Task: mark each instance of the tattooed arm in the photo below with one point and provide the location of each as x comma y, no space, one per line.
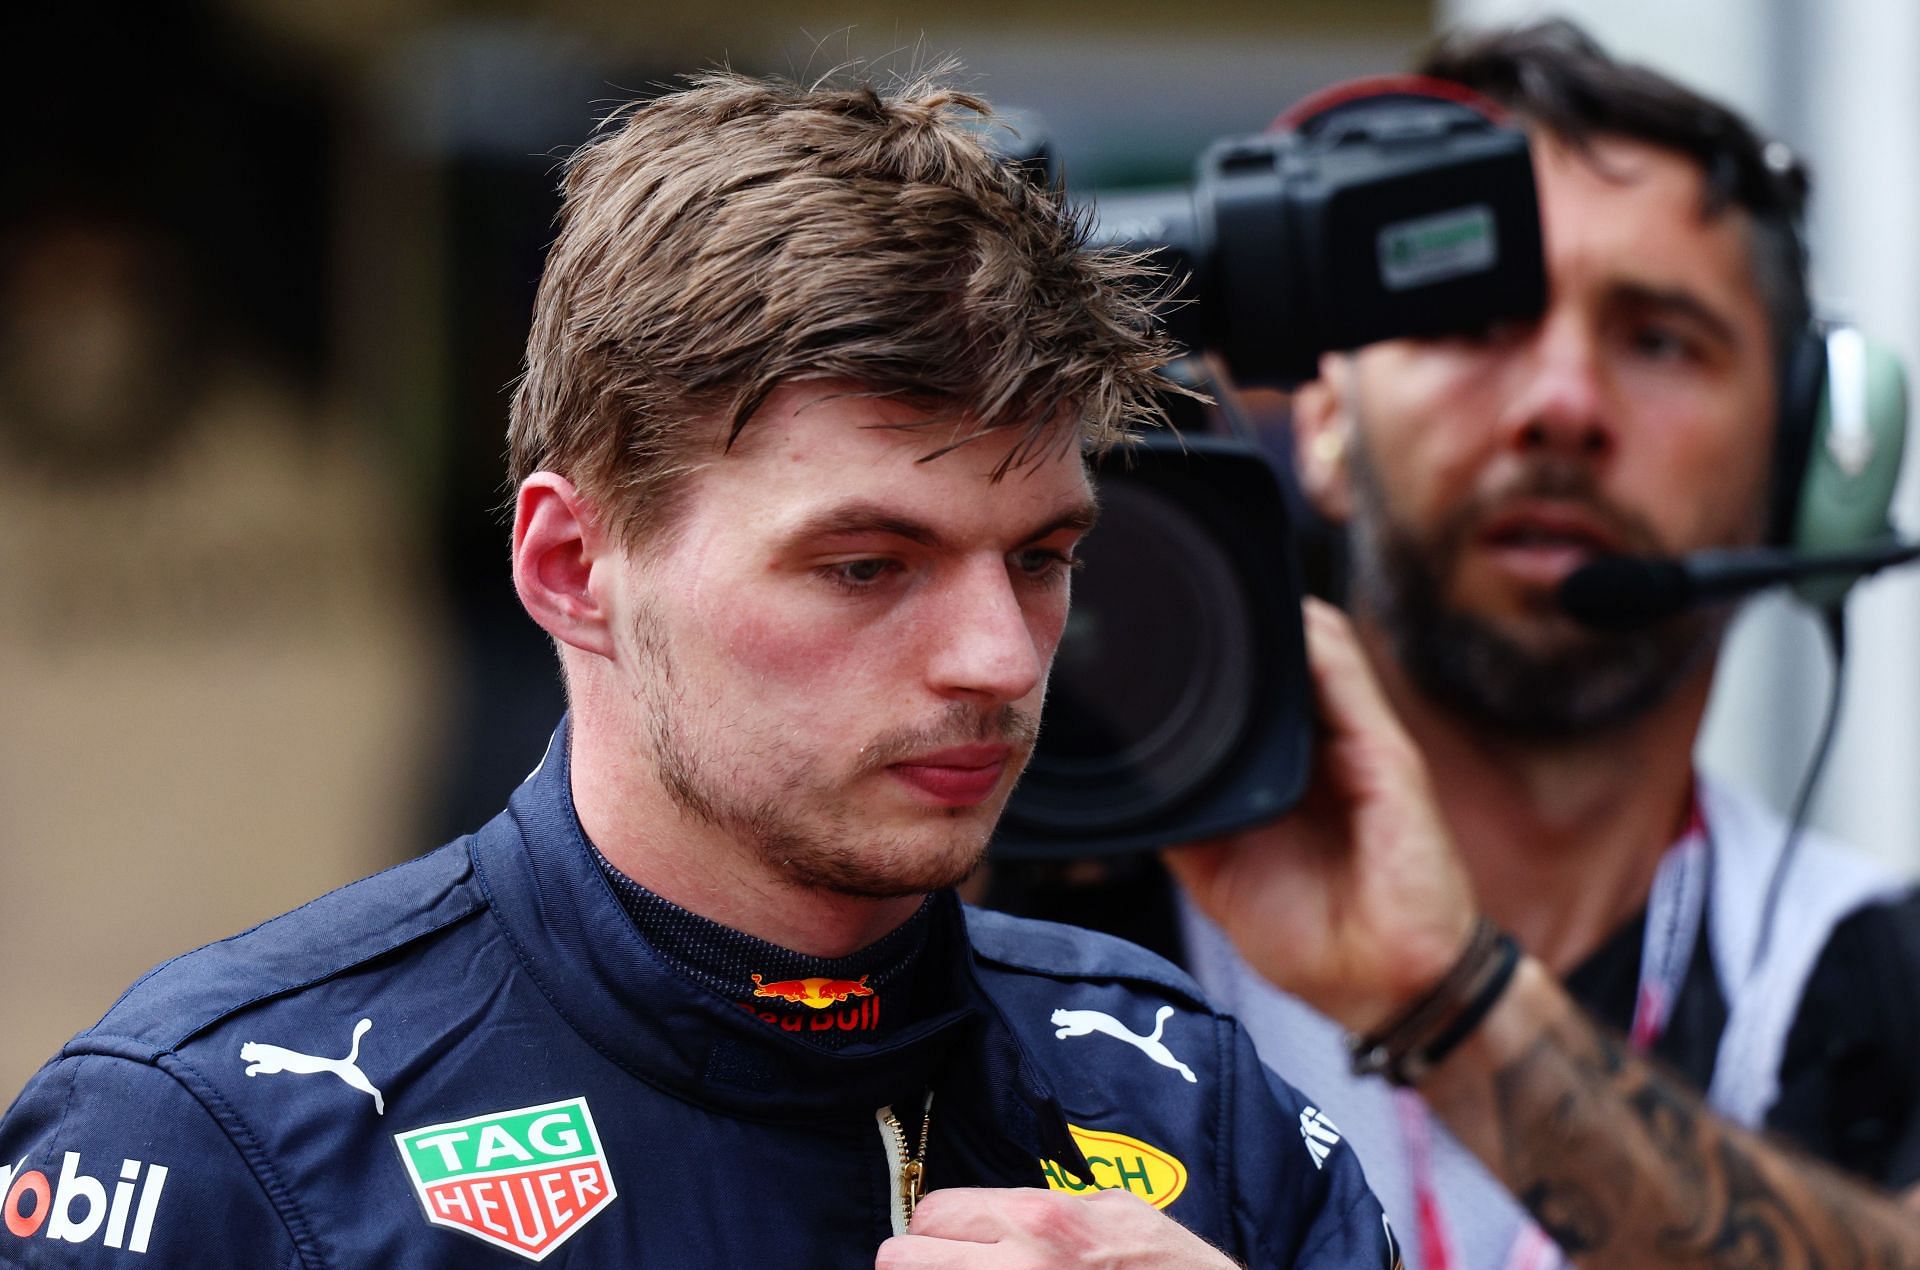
1358,905
1624,1166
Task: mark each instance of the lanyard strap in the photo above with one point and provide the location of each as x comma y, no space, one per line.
1674,911
1430,1224
1675,907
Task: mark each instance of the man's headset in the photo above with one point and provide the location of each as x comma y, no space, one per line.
1838,440
1840,434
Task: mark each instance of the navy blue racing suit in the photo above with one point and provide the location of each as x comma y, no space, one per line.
474,1060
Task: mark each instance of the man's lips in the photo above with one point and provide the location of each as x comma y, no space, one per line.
960,776
1541,543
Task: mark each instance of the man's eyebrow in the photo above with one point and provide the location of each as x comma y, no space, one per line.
1680,301
852,519
849,519
1080,519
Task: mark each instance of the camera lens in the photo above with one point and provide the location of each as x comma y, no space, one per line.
1153,682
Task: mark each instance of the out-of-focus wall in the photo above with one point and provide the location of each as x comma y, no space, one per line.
1835,81
218,635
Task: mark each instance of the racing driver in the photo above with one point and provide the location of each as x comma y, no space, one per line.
798,453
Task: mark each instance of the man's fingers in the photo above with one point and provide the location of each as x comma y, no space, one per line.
952,1229
1031,1229
1350,699
922,1252
969,1213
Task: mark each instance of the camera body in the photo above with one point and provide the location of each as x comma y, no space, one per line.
1381,214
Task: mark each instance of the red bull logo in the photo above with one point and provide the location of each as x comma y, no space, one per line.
820,996
817,993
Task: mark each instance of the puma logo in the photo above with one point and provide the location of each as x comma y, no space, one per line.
270,1060
1083,1022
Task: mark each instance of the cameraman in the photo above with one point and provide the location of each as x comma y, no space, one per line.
1474,475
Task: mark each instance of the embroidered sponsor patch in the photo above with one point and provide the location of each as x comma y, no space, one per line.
1319,1134
77,1209
1068,1023
816,993
846,1005
524,1180
1121,1163
271,1060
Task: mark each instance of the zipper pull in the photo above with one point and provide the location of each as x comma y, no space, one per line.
912,1179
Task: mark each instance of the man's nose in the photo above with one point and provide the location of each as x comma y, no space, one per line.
1563,405
983,645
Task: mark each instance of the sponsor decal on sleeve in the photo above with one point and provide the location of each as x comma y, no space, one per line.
1319,1134
76,1208
524,1180
1120,1163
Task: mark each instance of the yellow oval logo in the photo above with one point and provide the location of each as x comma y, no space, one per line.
1121,1163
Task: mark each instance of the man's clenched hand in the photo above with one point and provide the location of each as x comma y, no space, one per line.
1018,1229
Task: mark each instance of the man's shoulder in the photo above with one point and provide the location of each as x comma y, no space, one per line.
1825,878
1025,946
373,918
1846,1088
1749,834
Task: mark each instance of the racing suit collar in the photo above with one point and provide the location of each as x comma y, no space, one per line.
578,943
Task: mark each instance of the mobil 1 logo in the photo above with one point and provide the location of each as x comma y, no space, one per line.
524,1180
77,1208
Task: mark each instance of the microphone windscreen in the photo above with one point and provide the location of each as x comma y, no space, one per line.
1617,593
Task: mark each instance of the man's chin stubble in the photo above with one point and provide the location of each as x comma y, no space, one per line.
894,871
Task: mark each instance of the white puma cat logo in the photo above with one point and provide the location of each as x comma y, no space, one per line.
271,1060
1081,1022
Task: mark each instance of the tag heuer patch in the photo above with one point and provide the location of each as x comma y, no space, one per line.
523,1180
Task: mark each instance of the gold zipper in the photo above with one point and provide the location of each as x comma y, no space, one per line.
913,1165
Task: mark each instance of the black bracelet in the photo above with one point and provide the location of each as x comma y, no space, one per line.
1410,1044
1429,1056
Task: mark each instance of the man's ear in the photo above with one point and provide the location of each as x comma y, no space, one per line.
557,541
1323,438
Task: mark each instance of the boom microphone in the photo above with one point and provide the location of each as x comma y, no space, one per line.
1618,593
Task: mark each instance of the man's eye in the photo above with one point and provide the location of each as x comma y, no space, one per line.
1664,344
859,575
1045,563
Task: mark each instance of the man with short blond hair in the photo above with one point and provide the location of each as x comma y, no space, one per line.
799,457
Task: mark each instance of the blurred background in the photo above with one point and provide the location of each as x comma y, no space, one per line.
265,271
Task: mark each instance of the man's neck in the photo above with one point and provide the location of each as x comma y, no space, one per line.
679,857
1561,840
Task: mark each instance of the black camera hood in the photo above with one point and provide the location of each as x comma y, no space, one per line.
1179,704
